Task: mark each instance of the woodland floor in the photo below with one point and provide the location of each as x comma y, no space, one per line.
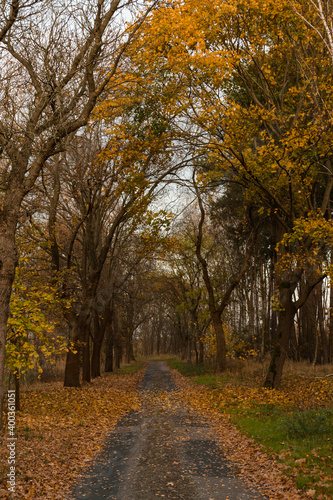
165,450
138,435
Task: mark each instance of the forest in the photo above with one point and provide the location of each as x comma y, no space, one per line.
166,178
166,175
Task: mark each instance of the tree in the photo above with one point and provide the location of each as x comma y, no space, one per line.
53,73
246,80
97,195
34,337
9,12
217,307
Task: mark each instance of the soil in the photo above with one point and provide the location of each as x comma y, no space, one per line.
165,451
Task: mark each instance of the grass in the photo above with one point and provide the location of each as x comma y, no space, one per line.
130,369
190,369
295,424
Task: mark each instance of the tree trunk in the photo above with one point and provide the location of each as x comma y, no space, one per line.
196,351
118,352
96,359
293,348
323,338
86,374
72,369
99,331
128,346
17,392
330,322
201,351
129,328
132,357
221,349
8,261
158,341
117,325
189,350
109,349
308,330
286,316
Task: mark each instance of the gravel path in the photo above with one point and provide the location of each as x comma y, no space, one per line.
163,451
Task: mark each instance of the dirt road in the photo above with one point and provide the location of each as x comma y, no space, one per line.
163,451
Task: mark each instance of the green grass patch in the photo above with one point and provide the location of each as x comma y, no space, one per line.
130,369
300,438
308,423
190,369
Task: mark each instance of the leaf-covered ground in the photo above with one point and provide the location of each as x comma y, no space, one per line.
289,432
60,430
164,450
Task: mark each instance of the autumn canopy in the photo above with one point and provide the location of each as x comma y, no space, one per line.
165,184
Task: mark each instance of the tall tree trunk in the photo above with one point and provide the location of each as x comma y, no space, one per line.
330,334
86,374
118,352
189,350
151,343
158,341
323,338
293,348
286,316
308,330
99,331
129,347
8,262
17,391
109,350
196,352
250,306
221,349
72,369
129,328
117,338
96,359
201,351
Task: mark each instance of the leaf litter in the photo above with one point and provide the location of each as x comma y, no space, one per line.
61,430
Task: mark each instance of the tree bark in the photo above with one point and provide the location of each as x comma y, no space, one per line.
17,391
201,351
118,353
330,317
189,350
286,318
323,338
72,369
221,350
8,262
286,284
96,359
308,330
98,337
86,373
109,349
